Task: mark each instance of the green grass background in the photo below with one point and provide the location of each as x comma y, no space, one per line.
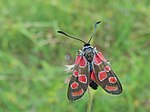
33,55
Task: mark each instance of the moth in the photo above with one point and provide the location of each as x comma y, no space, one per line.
91,69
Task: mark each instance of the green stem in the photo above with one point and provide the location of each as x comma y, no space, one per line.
89,106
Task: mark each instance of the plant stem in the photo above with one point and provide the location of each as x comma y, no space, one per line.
89,106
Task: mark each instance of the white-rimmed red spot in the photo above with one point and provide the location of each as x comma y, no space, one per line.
78,93
74,85
111,88
97,59
75,73
78,58
101,56
112,80
82,78
107,68
102,75
82,62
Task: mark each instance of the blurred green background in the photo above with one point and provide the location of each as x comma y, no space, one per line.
33,55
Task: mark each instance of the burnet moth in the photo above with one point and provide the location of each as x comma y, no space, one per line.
91,69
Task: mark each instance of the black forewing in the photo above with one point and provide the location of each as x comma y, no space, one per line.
78,92
110,83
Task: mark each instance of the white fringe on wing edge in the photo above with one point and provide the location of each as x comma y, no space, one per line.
69,68
67,80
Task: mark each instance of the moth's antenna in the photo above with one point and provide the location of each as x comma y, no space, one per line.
94,30
70,36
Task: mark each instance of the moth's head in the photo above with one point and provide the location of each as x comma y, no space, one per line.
86,44
88,52
87,49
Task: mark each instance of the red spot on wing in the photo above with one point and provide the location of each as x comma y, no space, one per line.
97,59
102,75
82,78
111,88
74,85
77,60
112,80
101,56
93,76
78,93
75,73
82,62
107,68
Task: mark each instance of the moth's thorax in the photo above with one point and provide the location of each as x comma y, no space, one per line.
88,52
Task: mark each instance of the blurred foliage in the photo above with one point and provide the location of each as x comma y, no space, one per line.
32,54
